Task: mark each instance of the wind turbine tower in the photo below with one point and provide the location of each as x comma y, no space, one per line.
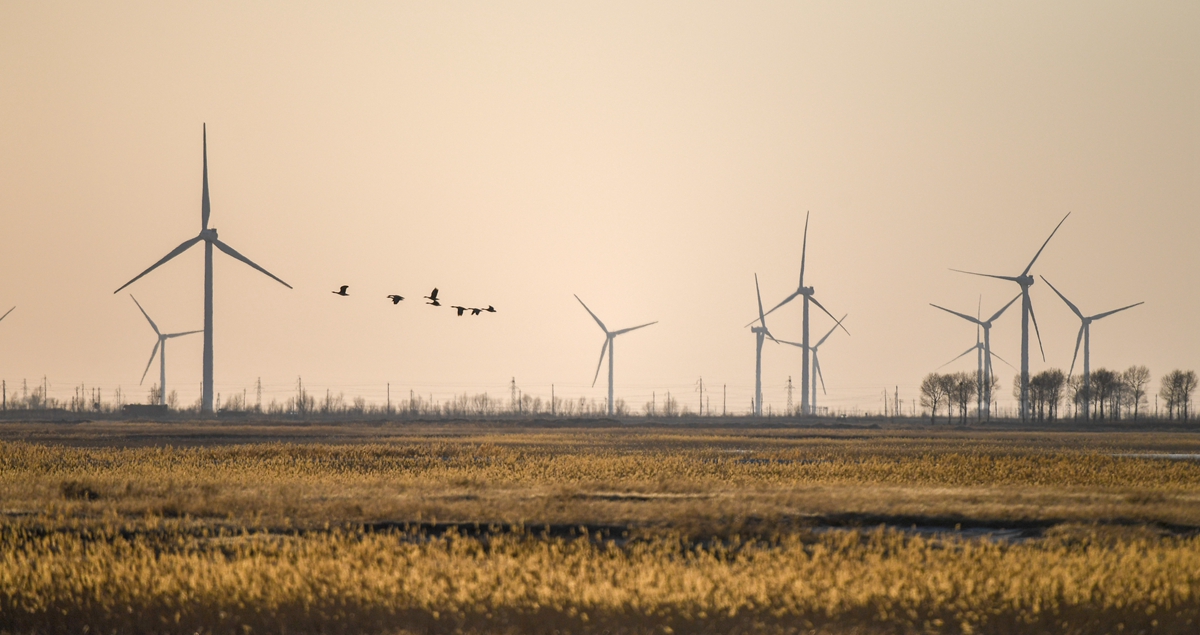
807,292
817,361
162,354
760,333
1085,334
1025,281
209,236
609,336
984,397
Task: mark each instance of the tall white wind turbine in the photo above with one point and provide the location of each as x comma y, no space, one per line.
160,349
609,336
817,360
760,333
984,396
1085,334
1025,281
209,236
807,292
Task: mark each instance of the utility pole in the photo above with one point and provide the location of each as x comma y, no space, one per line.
701,389
258,396
513,398
389,398
4,387
552,414
724,397
789,393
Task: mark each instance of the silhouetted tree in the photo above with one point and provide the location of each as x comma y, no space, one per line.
961,388
1046,392
932,394
1177,389
1104,387
1136,379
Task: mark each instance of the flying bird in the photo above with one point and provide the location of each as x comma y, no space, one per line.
490,309
460,308
395,298
341,291
432,297
475,311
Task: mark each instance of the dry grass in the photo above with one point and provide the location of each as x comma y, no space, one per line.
721,536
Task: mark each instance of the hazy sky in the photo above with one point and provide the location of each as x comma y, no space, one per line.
650,157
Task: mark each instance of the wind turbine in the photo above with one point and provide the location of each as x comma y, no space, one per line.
1025,281
807,292
1085,334
162,356
609,336
760,332
984,398
816,360
209,236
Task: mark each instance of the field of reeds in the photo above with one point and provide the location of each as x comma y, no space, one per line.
470,528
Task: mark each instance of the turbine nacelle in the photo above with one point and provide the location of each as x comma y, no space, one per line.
806,291
209,234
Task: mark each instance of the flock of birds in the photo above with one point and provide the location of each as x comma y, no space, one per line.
432,297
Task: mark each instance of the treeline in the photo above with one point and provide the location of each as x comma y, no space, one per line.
1109,394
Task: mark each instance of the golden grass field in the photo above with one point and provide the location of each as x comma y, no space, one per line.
141,527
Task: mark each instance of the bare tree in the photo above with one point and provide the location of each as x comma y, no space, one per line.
932,394
1046,390
1104,386
962,387
1136,379
1177,389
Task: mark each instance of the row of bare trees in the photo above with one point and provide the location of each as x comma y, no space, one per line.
1109,395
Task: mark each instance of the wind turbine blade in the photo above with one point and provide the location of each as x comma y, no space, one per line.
817,368
961,315
835,326
768,334
1036,331
15,306
1074,308
814,301
233,252
803,250
182,334
1003,308
633,328
152,354
1108,313
987,275
969,350
1001,359
603,348
1039,252
152,324
205,207
602,327
796,344
174,252
1078,339
762,318
785,301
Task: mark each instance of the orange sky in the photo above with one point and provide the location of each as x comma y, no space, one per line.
650,157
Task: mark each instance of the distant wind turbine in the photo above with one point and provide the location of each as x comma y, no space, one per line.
807,292
984,394
1085,334
760,333
817,361
1025,281
609,336
162,354
209,236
